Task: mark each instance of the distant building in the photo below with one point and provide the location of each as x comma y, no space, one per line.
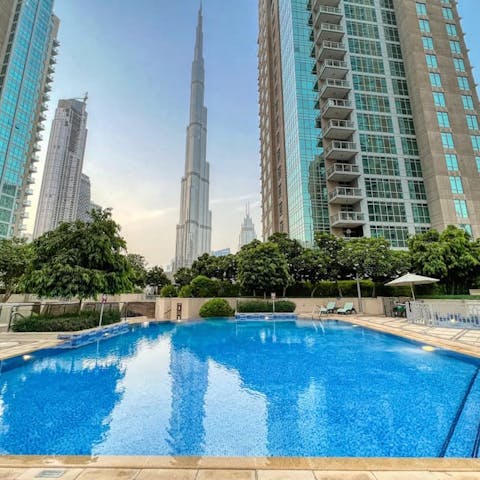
62,177
195,226
247,231
221,253
28,47
84,199
85,204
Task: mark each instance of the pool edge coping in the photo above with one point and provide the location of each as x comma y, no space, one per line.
244,463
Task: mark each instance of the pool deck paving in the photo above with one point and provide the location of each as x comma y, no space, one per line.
250,468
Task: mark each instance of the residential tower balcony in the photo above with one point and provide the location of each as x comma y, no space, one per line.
27,203
338,150
332,50
347,220
345,196
333,69
338,109
327,14
343,172
339,129
316,4
330,32
335,88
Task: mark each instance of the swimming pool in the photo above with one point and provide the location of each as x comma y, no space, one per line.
226,388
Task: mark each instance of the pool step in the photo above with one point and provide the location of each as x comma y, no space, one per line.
464,436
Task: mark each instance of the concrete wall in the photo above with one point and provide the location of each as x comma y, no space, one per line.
122,298
166,308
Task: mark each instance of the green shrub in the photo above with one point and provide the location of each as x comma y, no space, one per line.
185,292
169,291
203,287
344,288
325,289
217,307
262,306
285,306
66,323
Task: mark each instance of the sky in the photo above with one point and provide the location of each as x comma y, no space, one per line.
134,60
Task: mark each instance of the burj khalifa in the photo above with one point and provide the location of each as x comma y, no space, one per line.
195,225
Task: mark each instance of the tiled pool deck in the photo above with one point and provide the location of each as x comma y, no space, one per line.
204,468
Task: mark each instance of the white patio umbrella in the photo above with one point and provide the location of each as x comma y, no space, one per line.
411,279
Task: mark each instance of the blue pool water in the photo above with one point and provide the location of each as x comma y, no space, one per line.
226,388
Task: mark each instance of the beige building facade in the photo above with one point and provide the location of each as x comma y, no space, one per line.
397,149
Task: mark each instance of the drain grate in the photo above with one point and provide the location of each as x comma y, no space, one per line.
50,474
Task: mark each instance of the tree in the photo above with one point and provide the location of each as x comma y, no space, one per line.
202,287
368,258
80,260
207,266
138,266
310,266
15,256
452,256
290,248
330,246
262,267
157,278
183,276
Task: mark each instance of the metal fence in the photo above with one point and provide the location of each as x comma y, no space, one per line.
447,315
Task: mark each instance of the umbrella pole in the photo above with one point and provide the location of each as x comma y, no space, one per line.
413,291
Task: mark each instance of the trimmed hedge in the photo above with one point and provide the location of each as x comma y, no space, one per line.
64,323
262,306
217,307
185,292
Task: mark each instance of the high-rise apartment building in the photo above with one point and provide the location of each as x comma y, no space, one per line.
195,226
60,192
397,116
84,199
28,46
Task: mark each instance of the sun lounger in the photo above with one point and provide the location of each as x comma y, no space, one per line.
330,308
347,309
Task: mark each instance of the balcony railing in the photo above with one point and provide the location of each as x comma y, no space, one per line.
345,195
347,219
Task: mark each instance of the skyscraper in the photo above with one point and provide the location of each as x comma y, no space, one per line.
194,228
247,230
28,46
60,192
84,199
396,116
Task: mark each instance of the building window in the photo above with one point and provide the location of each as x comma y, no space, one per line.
476,142
463,83
467,227
447,13
452,162
467,101
461,208
455,47
439,99
420,213
477,160
417,190
435,80
431,61
443,120
421,8
472,122
447,140
451,30
456,185
459,64
427,43
424,26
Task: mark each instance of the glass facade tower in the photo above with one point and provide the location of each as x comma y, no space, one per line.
393,146
27,54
